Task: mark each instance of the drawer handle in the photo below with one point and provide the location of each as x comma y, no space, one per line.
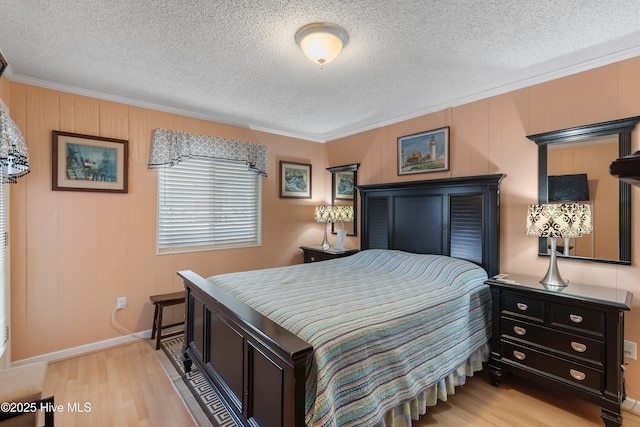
579,347
575,318
519,355
580,376
522,306
519,331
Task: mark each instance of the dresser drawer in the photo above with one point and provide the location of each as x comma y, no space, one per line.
523,306
576,318
316,256
563,370
585,349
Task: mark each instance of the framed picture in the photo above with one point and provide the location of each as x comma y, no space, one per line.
89,163
344,183
295,180
424,152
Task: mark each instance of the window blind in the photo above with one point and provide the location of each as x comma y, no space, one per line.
206,204
4,270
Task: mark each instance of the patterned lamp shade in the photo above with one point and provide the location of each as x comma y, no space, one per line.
587,221
559,220
342,214
323,214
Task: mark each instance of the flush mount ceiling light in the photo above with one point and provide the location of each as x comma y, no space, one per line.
321,42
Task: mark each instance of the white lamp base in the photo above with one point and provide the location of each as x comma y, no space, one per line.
325,242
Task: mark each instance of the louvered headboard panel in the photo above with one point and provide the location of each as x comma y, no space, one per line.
378,222
453,216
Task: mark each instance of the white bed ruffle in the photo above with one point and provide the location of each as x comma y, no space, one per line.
403,414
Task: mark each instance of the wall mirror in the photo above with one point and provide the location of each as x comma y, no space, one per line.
589,150
343,193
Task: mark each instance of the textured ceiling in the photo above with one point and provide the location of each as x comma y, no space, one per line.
236,62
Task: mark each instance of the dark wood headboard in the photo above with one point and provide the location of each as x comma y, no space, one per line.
458,217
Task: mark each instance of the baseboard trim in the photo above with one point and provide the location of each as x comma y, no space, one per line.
631,405
84,349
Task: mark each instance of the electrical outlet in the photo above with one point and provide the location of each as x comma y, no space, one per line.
122,303
630,350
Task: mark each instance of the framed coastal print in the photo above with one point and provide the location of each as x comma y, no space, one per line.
295,180
89,163
344,185
424,152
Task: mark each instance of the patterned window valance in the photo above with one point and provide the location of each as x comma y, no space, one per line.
14,156
169,147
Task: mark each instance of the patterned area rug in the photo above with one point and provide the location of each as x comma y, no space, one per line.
202,391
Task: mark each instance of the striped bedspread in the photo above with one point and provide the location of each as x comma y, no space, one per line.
384,325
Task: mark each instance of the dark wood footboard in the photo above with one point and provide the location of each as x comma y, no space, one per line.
257,366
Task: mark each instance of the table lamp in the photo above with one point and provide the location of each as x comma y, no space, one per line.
324,214
558,221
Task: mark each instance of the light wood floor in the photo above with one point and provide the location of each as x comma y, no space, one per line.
126,386
515,403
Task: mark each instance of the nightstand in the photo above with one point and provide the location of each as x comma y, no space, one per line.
316,253
571,339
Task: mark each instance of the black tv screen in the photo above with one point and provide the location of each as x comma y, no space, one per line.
568,188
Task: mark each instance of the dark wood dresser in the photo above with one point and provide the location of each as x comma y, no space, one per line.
570,339
316,253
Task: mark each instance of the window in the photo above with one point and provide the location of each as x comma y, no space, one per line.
206,204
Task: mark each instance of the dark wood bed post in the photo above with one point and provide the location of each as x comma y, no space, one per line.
186,362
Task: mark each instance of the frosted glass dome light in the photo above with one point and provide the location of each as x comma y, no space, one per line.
321,42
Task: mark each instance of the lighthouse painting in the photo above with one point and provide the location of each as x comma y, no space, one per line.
424,152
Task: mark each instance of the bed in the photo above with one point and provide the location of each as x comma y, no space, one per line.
273,365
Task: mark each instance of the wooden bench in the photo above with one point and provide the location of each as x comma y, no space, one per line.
160,302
